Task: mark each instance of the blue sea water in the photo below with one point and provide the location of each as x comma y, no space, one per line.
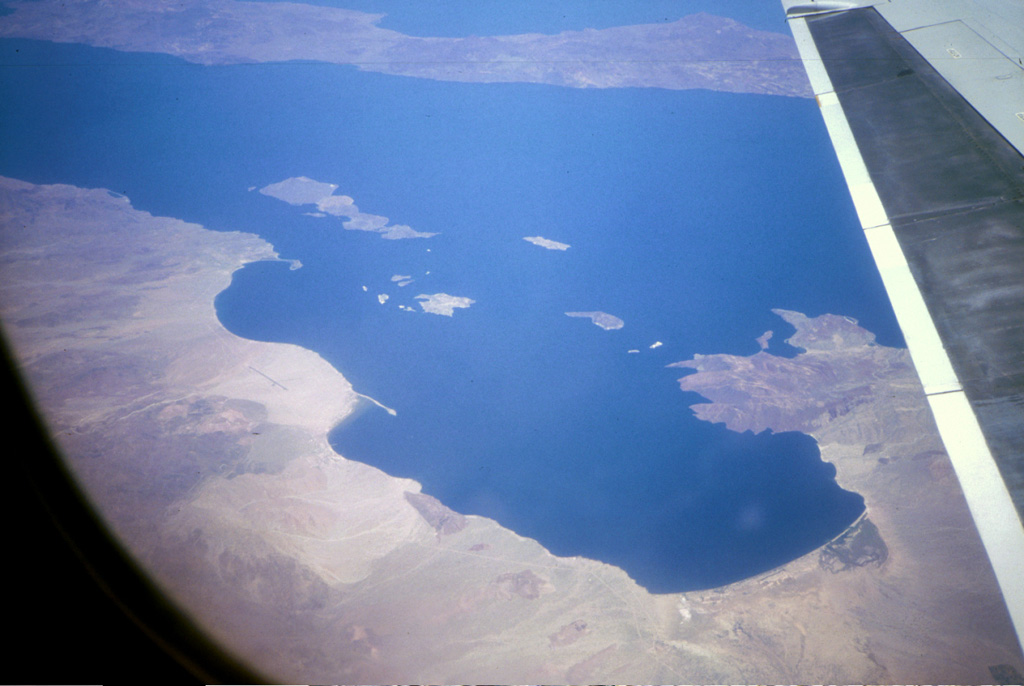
690,216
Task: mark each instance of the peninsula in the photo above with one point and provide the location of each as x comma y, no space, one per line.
696,51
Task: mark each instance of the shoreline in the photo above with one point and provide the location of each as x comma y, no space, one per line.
316,568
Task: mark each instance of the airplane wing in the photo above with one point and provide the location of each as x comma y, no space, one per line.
924,102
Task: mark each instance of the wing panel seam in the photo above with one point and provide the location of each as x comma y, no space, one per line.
987,495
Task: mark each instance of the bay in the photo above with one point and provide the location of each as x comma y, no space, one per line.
689,215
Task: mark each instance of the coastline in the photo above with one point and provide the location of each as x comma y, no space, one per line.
208,455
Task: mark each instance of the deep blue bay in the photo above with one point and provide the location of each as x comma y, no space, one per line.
690,216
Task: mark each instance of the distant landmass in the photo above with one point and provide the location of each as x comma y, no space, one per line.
697,51
208,456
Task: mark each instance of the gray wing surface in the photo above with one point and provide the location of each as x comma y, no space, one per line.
924,102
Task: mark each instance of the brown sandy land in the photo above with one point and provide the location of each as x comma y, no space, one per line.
698,51
863,404
208,454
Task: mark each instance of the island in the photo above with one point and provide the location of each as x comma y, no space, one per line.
302,190
603,319
442,303
546,243
207,456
